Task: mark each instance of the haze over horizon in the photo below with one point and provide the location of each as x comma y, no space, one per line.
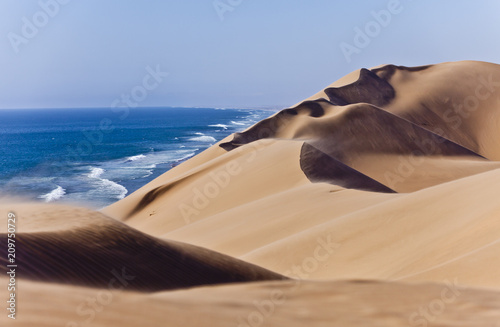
242,54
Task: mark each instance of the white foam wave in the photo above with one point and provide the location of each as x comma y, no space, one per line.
95,173
149,173
237,123
137,157
114,189
203,138
219,126
107,186
54,195
187,156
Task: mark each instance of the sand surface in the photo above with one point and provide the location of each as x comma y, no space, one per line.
372,203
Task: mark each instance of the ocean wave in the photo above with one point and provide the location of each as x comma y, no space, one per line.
204,138
149,173
107,186
115,190
134,158
95,173
124,172
54,195
219,126
237,123
187,156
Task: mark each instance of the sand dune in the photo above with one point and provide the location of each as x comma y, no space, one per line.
82,247
404,237
288,303
387,175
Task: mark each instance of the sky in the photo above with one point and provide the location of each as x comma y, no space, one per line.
222,53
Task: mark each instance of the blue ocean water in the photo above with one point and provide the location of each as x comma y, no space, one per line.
98,156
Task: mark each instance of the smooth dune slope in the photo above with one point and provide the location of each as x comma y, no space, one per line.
420,236
286,303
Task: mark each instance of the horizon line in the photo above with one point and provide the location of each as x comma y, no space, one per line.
276,107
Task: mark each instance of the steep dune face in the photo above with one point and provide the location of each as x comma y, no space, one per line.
375,116
457,100
82,247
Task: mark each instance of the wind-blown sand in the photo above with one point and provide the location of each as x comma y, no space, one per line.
371,203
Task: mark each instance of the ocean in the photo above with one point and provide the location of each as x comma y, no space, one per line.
98,156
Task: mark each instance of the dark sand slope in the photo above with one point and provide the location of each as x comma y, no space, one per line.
321,167
88,248
353,134
458,100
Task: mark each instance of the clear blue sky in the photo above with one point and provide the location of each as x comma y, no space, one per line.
262,53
